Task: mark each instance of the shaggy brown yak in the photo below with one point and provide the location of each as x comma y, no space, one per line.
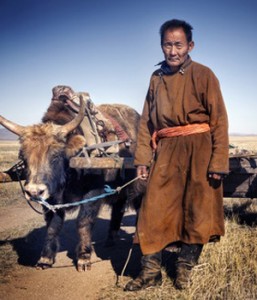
46,149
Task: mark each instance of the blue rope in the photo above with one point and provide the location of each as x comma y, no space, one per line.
108,191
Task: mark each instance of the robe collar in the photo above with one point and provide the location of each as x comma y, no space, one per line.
165,69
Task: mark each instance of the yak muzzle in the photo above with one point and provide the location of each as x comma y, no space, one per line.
36,191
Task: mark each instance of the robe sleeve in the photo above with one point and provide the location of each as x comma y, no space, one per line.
219,162
144,153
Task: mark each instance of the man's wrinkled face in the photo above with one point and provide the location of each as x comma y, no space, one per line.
176,47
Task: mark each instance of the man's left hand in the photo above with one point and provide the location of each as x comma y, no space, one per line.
216,176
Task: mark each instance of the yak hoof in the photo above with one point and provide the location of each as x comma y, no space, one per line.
83,265
44,263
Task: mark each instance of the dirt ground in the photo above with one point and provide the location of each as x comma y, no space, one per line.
62,281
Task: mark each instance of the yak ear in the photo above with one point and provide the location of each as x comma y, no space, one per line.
74,144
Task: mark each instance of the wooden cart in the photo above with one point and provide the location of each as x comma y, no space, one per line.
242,179
240,183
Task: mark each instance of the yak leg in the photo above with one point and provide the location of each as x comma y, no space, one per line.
54,222
131,197
85,222
118,209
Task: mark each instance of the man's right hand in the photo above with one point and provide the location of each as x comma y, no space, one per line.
142,171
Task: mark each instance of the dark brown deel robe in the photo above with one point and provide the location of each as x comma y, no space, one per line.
181,202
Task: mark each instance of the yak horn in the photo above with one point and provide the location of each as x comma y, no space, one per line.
69,127
13,127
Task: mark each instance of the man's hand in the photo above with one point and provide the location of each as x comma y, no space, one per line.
142,171
216,176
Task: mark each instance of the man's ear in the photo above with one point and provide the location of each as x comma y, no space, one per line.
191,46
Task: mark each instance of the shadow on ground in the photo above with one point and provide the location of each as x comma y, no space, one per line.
240,212
28,248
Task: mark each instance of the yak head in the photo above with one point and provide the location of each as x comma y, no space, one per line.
45,150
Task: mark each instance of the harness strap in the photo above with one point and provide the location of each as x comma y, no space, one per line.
120,132
97,126
178,131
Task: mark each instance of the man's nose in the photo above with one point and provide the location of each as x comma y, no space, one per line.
173,50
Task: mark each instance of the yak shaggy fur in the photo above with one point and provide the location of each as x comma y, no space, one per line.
46,152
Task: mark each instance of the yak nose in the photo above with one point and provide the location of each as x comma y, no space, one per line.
35,191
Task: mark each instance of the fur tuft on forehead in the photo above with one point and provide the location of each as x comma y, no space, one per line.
42,130
43,137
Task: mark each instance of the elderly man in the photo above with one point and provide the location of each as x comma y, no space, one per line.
182,150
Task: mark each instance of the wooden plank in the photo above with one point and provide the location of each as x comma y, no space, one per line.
101,163
236,164
240,183
4,177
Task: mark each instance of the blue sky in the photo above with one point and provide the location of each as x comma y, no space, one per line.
110,48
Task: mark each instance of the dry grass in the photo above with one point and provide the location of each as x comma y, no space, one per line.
8,154
9,192
245,142
226,270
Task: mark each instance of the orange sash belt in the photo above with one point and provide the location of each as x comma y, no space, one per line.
178,131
